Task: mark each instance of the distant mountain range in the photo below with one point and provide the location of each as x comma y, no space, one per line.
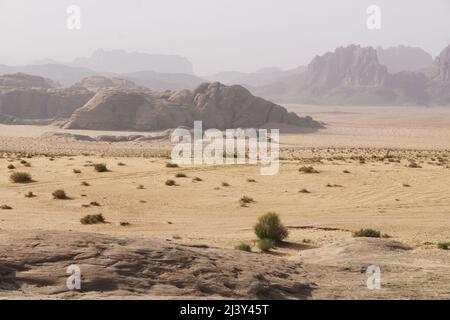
350,75
354,75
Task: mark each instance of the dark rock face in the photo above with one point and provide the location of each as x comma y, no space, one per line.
32,97
217,105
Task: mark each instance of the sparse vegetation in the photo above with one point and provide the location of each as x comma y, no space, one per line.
30,194
92,219
60,195
124,224
346,171
270,227
171,183
443,245
121,164
304,191
196,179
180,175
76,171
11,167
225,184
85,184
100,167
243,247
368,233
308,170
140,187
5,207
21,177
245,200
171,165
251,180
266,244
95,204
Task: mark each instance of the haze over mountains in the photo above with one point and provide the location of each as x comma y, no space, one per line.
351,75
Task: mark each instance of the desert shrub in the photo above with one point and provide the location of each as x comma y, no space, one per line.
180,175
266,244
11,167
413,164
23,162
59,194
171,183
5,207
100,167
30,194
225,184
21,177
196,179
406,185
95,204
270,227
27,164
304,191
346,171
443,245
171,165
243,247
246,200
251,180
124,223
121,164
369,233
92,219
76,171
308,170
140,187
85,184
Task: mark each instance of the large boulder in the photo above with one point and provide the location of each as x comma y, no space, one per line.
217,105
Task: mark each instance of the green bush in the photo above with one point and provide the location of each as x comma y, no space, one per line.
270,227
243,247
21,177
266,244
92,219
443,245
368,233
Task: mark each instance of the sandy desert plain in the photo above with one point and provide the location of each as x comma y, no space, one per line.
382,168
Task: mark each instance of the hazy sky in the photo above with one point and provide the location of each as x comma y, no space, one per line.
217,35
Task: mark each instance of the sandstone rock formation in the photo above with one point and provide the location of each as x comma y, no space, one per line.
95,83
31,97
354,76
217,105
34,265
404,58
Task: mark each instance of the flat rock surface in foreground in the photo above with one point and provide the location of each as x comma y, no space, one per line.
33,266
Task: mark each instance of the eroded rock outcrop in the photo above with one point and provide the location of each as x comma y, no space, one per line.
217,105
354,76
31,97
